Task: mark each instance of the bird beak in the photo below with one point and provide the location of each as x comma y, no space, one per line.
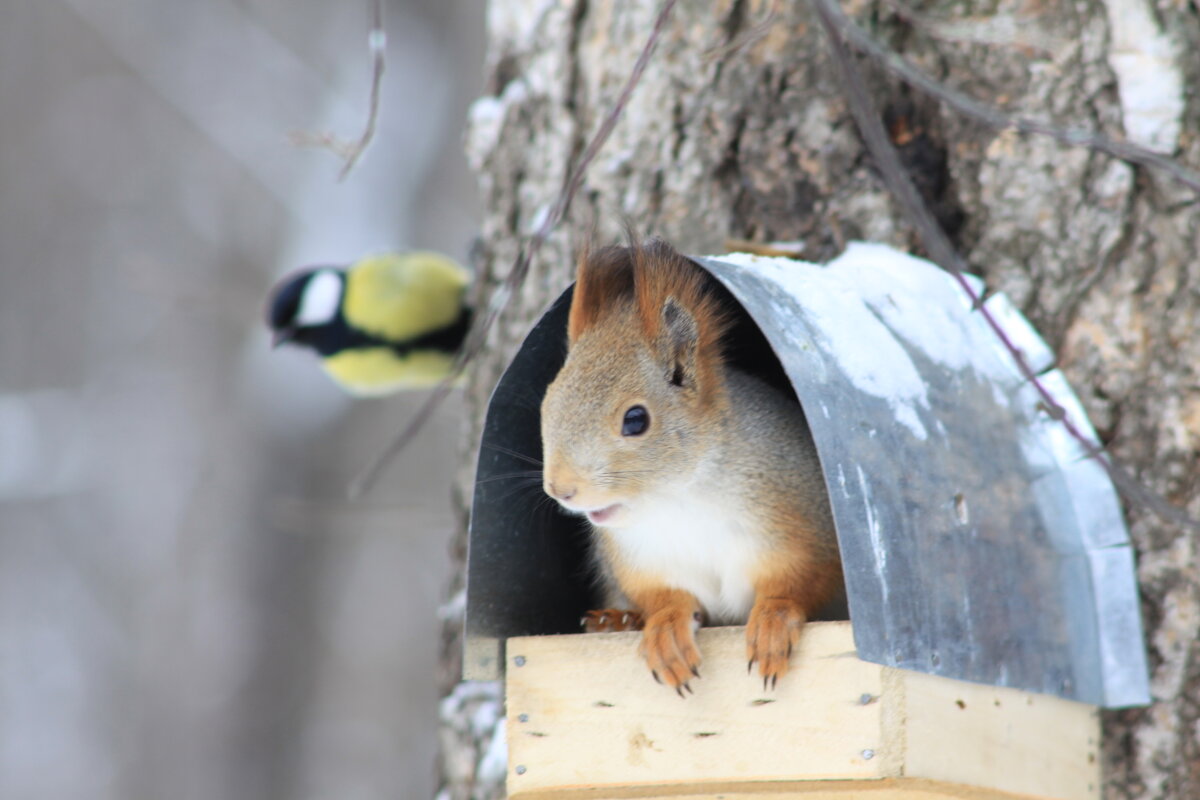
282,336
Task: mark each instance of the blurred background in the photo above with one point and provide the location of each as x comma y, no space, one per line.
189,607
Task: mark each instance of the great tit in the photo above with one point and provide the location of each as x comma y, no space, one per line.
386,323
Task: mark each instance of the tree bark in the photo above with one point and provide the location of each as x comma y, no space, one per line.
759,145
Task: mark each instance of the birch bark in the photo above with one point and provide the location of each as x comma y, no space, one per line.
759,145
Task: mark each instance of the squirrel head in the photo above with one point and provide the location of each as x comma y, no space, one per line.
642,390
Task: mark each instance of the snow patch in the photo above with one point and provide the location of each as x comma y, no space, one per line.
1149,77
873,305
493,766
485,121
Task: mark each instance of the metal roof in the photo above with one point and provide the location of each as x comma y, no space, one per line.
978,539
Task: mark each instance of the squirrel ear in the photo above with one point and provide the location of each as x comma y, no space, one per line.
603,280
680,343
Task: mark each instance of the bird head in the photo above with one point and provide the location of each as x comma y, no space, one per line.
302,302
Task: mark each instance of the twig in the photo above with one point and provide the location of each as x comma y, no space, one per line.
992,117
1003,30
516,276
756,32
350,152
944,254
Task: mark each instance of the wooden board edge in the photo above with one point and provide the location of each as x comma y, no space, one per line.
892,722
1010,740
877,789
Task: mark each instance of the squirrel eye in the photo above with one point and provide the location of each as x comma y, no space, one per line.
637,420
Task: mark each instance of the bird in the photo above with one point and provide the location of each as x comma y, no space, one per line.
389,322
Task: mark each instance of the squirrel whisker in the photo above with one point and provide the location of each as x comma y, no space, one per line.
509,452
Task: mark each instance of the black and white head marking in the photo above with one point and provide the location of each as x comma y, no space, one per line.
320,299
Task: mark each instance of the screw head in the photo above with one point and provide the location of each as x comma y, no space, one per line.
519,661
868,754
520,769
522,718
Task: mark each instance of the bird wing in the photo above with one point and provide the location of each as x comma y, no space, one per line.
401,296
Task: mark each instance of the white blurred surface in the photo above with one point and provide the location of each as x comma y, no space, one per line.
188,606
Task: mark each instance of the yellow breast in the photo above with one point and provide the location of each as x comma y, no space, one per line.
379,370
399,297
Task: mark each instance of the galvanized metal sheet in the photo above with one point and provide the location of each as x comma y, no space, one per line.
978,542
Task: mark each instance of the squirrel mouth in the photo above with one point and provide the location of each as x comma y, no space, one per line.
602,515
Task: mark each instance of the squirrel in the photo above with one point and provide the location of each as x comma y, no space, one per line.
701,482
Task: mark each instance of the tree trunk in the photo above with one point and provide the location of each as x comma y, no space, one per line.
759,145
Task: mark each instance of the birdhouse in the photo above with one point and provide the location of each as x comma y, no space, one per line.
992,598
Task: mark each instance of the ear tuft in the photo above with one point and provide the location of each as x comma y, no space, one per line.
681,314
676,303
603,281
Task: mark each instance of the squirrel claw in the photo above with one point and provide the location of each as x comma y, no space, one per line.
771,635
610,620
669,647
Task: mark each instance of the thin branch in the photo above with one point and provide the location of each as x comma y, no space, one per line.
516,276
755,33
351,151
992,117
1019,30
944,254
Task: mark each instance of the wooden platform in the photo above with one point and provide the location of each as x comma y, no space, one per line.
586,720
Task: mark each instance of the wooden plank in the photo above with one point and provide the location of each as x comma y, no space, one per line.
585,720
1007,739
583,711
882,789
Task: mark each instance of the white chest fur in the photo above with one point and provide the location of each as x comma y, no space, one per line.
701,546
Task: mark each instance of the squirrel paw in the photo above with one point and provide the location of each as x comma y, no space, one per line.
772,632
608,620
669,647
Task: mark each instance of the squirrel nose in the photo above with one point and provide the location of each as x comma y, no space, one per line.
562,494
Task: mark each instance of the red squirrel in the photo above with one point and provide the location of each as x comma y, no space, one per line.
701,482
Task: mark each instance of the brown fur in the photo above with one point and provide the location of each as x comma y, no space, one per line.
645,328
661,273
647,276
603,281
